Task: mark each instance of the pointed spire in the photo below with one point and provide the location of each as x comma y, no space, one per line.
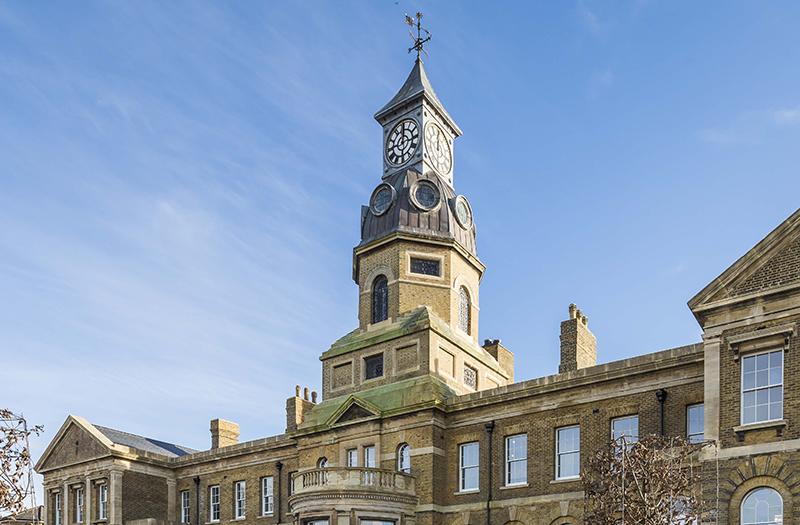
416,86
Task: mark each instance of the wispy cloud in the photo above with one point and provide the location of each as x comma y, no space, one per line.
589,19
751,127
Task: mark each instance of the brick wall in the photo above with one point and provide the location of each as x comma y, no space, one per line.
143,496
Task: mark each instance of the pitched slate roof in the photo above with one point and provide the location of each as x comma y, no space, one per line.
144,443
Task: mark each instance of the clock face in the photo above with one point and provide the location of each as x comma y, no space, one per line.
402,142
438,148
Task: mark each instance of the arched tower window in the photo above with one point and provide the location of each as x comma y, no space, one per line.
322,462
464,310
404,458
762,506
380,299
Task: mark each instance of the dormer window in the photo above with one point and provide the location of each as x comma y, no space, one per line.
380,299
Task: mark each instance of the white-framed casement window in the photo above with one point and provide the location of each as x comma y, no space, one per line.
102,502
568,452
404,458
239,500
369,456
762,387
376,522
79,505
352,457
184,506
468,467
516,460
266,495
213,503
695,423
626,427
58,511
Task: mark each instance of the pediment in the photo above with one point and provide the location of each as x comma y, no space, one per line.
772,264
353,409
76,442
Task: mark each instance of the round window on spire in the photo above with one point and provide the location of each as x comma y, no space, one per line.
425,195
382,199
463,212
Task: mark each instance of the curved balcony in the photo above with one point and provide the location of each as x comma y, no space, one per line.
340,488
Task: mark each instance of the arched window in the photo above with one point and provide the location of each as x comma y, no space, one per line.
404,458
464,310
762,506
380,299
322,462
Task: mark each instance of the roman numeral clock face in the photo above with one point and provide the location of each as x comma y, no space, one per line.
402,142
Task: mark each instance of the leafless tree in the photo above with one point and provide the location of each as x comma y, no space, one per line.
653,481
16,471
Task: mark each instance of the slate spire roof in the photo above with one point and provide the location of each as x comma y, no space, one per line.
417,85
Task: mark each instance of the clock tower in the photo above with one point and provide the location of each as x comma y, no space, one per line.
416,267
418,132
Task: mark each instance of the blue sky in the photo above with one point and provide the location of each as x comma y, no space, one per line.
181,183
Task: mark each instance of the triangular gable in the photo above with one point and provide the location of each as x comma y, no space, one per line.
75,442
353,409
773,263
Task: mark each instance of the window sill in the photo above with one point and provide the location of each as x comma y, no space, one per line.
463,492
565,480
212,522
234,520
264,516
514,486
777,424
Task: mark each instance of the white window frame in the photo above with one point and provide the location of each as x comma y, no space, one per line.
462,468
635,439
58,511
351,457
404,463
754,355
213,503
185,506
102,502
753,491
267,495
79,503
239,500
560,453
689,434
370,461
509,462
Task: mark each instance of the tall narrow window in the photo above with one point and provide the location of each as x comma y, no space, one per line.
369,456
695,423
464,310
373,366
352,457
79,505
404,458
240,501
568,452
57,508
762,387
468,467
470,377
213,503
762,506
184,506
517,460
266,495
380,299
625,429
102,502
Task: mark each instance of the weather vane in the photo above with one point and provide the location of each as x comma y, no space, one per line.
419,40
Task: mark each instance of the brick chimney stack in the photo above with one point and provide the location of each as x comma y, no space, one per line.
578,344
224,433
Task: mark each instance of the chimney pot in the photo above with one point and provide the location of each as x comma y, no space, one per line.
578,344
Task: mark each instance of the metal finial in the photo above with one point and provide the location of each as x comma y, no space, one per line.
419,40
